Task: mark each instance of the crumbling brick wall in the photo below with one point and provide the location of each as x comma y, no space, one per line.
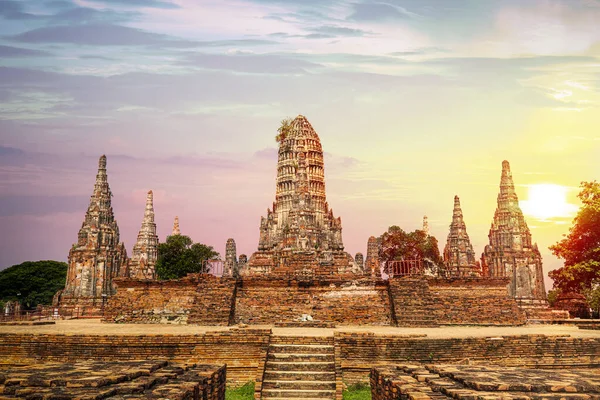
342,302
201,299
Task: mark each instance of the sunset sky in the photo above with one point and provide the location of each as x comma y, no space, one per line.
414,101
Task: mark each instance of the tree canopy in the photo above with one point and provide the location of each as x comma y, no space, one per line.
396,244
32,282
179,256
580,249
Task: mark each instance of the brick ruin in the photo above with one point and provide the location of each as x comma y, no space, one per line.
459,256
145,252
113,380
300,234
231,267
510,252
98,256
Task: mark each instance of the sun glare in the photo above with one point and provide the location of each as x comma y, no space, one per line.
547,201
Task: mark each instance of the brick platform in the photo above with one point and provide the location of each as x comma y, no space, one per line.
113,380
459,382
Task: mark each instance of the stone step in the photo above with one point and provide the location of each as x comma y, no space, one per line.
300,357
299,385
299,375
297,394
301,348
302,340
300,366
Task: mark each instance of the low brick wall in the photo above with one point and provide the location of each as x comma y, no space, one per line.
343,302
196,299
420,301
242,350
360,352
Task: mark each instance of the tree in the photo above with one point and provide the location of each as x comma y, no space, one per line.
580,249
179,256
284,130
32,282
396,244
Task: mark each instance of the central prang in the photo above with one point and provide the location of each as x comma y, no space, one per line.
300,235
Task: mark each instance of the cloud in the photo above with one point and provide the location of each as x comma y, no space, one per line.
140,3
9,51
85,15
332,31
100,35
368,12
14,10
254,63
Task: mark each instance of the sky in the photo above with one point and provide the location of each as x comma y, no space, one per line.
415,101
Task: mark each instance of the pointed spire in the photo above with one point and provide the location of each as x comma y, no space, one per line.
176,230
425,225
231,263
459,256
145,251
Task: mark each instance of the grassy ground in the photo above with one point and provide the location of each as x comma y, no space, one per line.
358,391
245,392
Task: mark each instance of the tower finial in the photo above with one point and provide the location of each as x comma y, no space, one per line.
176,230
425,225
102,162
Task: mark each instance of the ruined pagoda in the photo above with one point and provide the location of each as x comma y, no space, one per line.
510,252
145,252
459,256
98,256
300,233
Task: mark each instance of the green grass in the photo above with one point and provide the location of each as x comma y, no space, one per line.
245,392
358,391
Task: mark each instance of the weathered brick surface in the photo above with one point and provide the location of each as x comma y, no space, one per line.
242,350
462,301
272,300
482,382
113,380
361,351
196,299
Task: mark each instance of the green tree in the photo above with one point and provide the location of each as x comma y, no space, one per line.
32,282
179,256
396,244
580,249
284,129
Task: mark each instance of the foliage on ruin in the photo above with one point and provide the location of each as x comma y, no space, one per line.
180,256
580,248
245,392
285,128
32,282
396,244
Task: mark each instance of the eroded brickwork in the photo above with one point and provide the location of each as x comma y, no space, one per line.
301,221
269,301
113,380
459,256
360,352
142,264
201,299
413,381
463,301
98,256
510,252
242,350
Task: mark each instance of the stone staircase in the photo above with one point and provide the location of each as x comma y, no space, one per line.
299,368
413,303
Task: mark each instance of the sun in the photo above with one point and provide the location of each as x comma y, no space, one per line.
546,201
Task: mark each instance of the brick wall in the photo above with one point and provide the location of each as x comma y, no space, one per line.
343,302
243,350
196,299
459,301
361,351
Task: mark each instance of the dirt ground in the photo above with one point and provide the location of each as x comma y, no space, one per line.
95,327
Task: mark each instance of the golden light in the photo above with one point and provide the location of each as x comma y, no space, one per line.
547,201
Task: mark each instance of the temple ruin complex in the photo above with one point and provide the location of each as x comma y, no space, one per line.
510,252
